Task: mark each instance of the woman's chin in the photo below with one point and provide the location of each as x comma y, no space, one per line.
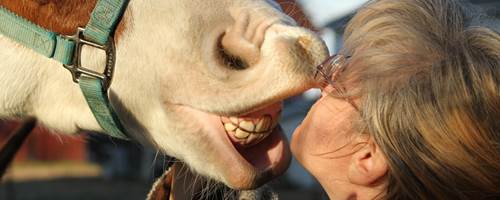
295,141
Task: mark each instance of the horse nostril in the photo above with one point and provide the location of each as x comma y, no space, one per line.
239,46
228,58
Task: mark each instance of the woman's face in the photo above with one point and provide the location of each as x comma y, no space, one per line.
323,142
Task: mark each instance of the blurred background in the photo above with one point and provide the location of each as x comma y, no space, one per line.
92,166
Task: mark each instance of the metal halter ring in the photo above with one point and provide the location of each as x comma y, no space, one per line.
76,68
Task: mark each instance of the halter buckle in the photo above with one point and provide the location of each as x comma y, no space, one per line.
76,68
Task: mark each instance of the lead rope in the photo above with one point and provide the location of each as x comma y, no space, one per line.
15,141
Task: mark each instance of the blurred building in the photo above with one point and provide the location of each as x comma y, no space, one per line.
44,145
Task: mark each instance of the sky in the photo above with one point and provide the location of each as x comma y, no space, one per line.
323,11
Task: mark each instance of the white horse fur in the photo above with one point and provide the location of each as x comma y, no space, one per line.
167,78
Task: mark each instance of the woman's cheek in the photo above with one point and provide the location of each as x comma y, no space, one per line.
305,141
296,144
322,130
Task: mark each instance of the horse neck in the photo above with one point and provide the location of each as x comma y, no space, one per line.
33,85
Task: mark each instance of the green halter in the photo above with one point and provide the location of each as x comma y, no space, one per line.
67,50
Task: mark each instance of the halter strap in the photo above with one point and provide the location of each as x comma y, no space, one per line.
67,49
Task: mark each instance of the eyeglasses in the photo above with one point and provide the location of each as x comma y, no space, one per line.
327,74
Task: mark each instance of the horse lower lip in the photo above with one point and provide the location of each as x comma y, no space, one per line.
268,159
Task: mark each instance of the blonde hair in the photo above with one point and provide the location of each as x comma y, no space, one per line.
428,80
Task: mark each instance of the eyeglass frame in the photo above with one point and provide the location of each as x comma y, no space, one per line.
330,70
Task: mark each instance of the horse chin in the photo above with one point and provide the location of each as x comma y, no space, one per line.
250,161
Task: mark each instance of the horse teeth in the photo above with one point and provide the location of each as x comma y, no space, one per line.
241,134
253,138
234,120
230,127
250,137
246,132
263,124
247,126
260,125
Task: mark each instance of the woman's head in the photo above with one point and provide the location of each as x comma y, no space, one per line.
426,78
